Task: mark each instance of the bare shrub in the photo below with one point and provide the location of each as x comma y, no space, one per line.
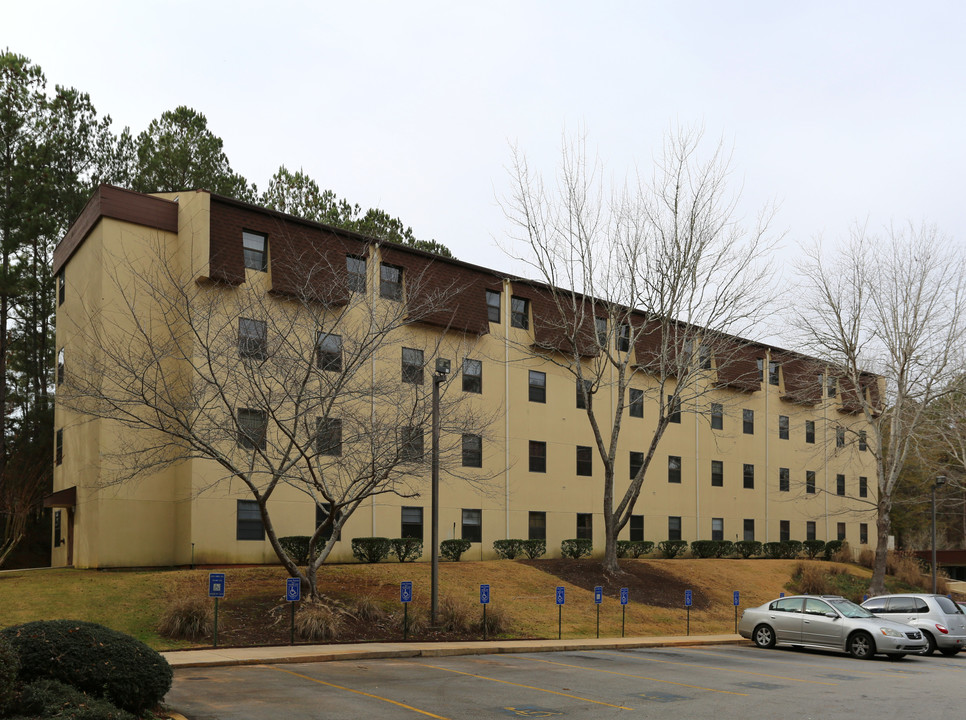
187,618
942,587
455,616
866,558
904,568
843,554
369,610
418,620
497,621
315,621
811,579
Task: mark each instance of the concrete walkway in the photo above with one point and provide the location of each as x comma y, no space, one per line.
213,657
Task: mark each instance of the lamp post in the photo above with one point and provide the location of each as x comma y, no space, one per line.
940,481
439,377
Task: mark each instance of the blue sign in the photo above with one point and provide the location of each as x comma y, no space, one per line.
216,585
598,594
560,595
736,598
687,598
623,596
484,594
293,590
406,591
781,594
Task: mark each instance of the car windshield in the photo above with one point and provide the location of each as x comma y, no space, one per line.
849,608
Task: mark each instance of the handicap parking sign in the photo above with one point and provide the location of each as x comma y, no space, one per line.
406,591
484,594
687,598
216,585
736,598
293,589
623,596
560,595
598,594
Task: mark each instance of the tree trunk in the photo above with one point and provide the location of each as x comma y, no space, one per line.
882,523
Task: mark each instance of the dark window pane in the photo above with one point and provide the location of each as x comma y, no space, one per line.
784,531
637,462
624,338
390,282
356,273
717,528
472,525
585,526
520,313
810,530
810,482
673,409
748,422
537,526
61,287
673,469
840,484
583,397
773,370
538,386
748,476
749,530
255,248
538,456
472,376
637,528
810,431
784,480
863,533
863,443
472,451
329,353
252,426
717,473
59,447
411,521
60,366
252,338
839,437
783,427
841,531
328,436
717,416
411,444
636,403
863,487
600,325
674,528
493,306
585,462
249,521
412,366
322,512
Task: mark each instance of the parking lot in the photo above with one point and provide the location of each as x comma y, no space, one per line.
738,682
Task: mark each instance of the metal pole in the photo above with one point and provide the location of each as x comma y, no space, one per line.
598,621
934,539
623,616
405,621
559,620
484,621
689,620
216,623
292,637
434,582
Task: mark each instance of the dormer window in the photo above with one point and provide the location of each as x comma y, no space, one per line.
390,282
255,247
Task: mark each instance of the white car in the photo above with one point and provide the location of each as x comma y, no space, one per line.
941,620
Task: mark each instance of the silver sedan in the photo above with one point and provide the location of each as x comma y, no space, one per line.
828,622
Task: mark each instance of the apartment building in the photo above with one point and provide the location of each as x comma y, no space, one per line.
772,448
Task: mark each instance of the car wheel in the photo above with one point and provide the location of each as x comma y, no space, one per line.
764,636
861,646
930,644
949,652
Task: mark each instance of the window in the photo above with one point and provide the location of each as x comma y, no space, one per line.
538,456
600,325
840,531
248,524
748,422
329,352
717,416
637,462
328,436
673,409
624,338
784,481
637,528
537,526
749,529
863,487
704,357
635,408
748,476
583,396
760,363
252,338
810,530
252,426
585,461
412,366
773,372
538,386
60,366
472,376
810,482
585,526
61,287
863,442
59,447
520,313
674,527
472,525
832,387
493,306
411,519
810,431
717,473
839,437
355,273
717,528
840,484
472,451
411,444
58,535
322,512
783,427
390,282
784,530
863,534
255,248
674,469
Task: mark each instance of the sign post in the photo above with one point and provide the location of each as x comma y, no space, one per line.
293,593
737,599
687,604
216,589
598,599
560,604
484,601
406,597
623,608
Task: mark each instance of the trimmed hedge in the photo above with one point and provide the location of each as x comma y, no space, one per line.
772,550
705,548
791,549
725,547
672,548
92,658
813,548
534,548
370,549
53,699
633,548
508,549
454,549
406,549
831,547
575,548
9,666
297,547
748,548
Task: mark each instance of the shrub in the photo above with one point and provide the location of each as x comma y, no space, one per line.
831,547
315,621
748,548
575,548
508,549
843,554
9,665
725,547
810,579
496,621
297,547
455,616
406,549
369,610
705,548
52,699
418,620
813,548
370,549
672,548
454,549
187,618
93,659
772,550
633,548
905,568
867,558
534,548
791,549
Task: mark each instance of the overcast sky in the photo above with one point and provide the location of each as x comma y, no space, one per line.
839,111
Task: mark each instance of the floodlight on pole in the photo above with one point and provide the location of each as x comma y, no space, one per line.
439,377
940,481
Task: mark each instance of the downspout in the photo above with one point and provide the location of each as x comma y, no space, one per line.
767,380
506,406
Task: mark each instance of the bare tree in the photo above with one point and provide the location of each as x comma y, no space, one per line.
888,314
653,283
21,497
297,386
